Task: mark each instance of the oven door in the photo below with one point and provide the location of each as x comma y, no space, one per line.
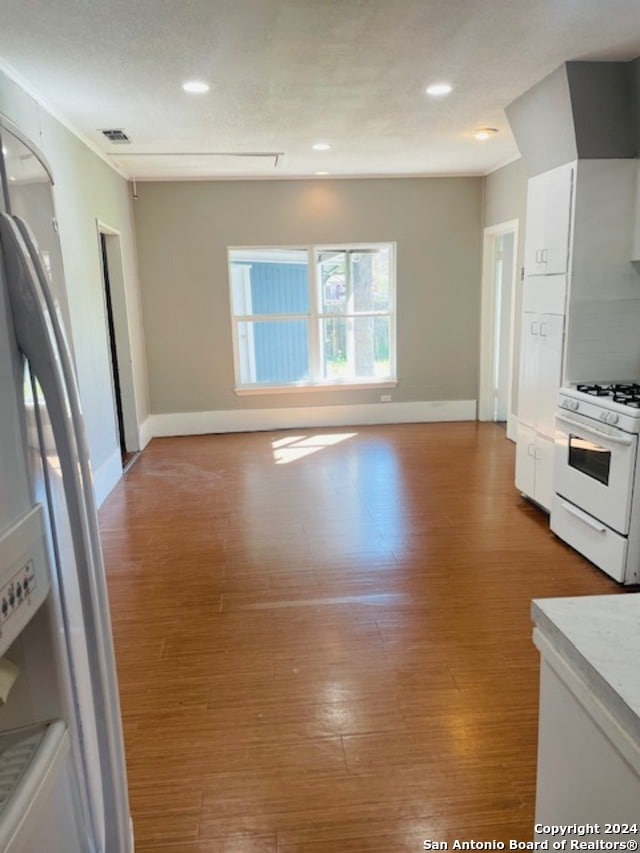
594,468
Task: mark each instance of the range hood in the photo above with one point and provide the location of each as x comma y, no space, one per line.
582,110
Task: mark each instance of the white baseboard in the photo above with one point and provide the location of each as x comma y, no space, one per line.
145,433
106,476
250,420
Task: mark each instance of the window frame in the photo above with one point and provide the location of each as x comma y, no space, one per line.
314,321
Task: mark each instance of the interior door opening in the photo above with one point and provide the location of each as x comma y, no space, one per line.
126,455
501,326
498,327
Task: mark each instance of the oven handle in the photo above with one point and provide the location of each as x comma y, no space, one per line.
624,440
582,516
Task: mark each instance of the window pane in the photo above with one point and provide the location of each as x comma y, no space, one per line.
353,281
266,281
355,348
273,352
370,277
332,280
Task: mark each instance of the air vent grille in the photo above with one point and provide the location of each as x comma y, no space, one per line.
116,135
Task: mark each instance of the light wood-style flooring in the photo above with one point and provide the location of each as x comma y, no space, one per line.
323,638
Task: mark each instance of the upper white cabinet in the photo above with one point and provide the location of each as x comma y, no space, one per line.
549,204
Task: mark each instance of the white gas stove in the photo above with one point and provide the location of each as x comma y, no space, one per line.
596,505
614,403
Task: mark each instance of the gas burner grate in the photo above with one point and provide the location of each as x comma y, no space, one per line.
627,393
627,390
632,400
596,390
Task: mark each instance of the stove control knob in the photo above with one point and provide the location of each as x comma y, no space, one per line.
564,404
604,416
612,418
575,405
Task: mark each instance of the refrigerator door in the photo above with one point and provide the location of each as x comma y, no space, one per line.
28,181
41,339
37,810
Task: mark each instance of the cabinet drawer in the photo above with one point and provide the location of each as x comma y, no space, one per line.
594,540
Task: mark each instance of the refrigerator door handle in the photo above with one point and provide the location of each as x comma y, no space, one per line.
41,338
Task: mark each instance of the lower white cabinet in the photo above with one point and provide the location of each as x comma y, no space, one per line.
534,465
588,773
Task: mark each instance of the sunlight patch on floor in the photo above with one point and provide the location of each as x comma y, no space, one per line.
296,447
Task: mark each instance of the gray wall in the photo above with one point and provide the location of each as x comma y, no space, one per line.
87,189
582,110
602,100
635,101
505,196
542,122
184,229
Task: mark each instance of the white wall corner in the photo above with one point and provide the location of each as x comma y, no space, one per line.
249,420
512,427
106,476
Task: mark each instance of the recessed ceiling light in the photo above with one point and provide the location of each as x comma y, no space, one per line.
485,132
321,146
321,173
195,87
437,90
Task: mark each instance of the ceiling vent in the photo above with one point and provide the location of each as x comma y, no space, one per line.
118,136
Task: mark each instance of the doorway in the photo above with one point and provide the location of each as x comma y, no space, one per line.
117,336
498,324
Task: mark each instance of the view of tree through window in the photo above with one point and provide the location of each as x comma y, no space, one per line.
313,315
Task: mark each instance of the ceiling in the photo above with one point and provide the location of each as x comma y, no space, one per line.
285,74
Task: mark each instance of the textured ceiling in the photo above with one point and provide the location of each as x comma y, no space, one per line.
284,75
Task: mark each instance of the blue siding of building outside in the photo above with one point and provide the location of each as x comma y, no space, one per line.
281,347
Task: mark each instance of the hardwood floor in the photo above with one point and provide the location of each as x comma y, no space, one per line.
323,638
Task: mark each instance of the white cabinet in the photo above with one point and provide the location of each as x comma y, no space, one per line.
541,369
549,370
534,465
541,352
581,296
549,204
589,721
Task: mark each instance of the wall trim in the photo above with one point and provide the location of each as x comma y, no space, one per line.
249,420
145,432
512,427
106,476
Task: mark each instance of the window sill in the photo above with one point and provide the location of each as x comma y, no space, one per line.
297,389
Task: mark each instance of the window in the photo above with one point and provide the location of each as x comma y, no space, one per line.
313,316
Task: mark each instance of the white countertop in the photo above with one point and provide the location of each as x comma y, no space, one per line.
599,638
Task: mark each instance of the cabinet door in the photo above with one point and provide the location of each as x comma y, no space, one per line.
557,219
549,370
535,235
528,387
543,484
526,460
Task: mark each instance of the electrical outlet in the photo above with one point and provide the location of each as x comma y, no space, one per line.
385,398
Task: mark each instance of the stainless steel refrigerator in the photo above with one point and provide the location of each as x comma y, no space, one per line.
63,784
